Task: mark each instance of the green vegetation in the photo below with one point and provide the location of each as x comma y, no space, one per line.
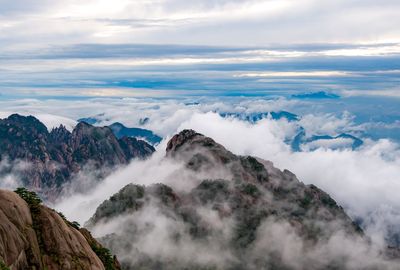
254,164
255,168
127,199
212,191
251,190
62,216
75,224
3,266
328,201
33,202
105,256
32,199
305,202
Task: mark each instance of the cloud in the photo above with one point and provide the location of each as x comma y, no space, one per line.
123,29
49,120
152,233
10,172
363,181
126,49
243,22
124,70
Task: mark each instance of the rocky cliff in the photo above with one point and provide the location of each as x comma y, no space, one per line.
33,236
51,159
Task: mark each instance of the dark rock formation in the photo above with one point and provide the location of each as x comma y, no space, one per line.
241,222
33,236
52,158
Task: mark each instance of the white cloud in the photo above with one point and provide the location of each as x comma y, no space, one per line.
364,181
49,120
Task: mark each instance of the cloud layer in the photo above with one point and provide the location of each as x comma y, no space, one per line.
364,181
251,47
247,22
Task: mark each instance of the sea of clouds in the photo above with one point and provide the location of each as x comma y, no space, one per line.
364,181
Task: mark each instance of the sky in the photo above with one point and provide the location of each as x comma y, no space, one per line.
159,48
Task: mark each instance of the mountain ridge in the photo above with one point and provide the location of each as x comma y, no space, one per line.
53,158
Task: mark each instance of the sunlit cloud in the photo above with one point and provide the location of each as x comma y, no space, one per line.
365,51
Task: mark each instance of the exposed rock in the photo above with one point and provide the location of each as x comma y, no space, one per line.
53,158
33,236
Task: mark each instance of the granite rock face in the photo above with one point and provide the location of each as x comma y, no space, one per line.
33,236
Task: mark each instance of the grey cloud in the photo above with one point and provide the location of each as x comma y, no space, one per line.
24,7
93,50
205,22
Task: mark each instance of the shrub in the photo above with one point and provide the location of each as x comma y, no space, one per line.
75,224
3,266
105,256
30,197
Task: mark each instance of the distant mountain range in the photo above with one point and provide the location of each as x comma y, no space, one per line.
316,95
257,116
122,131
340,141
301,141
53,158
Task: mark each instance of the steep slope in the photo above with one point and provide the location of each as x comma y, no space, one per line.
51,158
256,217
33,236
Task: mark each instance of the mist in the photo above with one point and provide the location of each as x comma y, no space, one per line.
364,180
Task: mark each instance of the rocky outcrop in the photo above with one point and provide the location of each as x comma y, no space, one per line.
33,236
256,217
51,159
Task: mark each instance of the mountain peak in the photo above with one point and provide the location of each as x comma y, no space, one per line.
182,138
28,122
243,191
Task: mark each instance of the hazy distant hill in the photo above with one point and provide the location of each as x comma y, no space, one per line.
120,131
